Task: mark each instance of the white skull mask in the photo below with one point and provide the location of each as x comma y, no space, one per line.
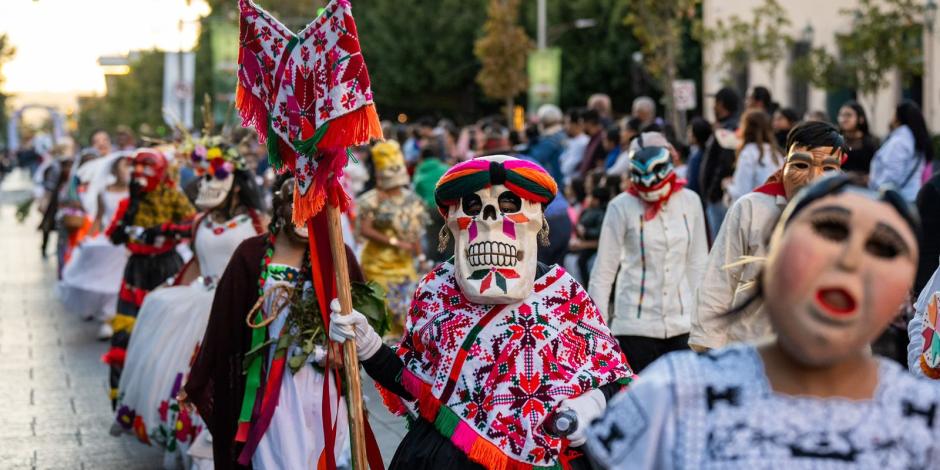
496,244
213,191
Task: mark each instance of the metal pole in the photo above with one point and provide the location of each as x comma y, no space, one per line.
542,40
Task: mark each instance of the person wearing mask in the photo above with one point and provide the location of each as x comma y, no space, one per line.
547,149
390,220
784,120
698,134
905,154
496,341
862,145
575,145
814,149
653,243
758,156
594,154
842,261
761,99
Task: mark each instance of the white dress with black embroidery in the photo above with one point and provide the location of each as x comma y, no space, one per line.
717,411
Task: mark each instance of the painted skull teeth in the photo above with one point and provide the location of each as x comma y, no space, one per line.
491,253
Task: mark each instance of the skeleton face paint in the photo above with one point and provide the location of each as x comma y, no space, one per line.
213,191
652,173
149,169
836,276
496,234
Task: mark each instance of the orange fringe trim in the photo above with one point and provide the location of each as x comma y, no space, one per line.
355,128
481,451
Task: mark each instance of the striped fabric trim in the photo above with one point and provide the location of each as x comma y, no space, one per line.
639,304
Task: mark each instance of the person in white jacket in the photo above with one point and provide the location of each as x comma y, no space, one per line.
814,148
653,241
758,157
901,160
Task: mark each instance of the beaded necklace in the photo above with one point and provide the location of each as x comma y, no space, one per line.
265,261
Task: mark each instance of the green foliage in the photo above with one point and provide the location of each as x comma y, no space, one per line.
133,100
885,35
594,59
761,39
420,55
502,52
660,26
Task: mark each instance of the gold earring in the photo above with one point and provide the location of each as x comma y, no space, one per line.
443,238
543,233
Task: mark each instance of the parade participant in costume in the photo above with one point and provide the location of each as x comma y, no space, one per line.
265,319
391,218
150,223
92,277
923,351
813,149
653,242
842,259
495,343
172,321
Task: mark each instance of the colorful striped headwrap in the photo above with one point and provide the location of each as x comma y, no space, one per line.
526,179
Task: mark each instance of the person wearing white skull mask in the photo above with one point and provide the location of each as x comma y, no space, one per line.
498,348
653,242
172,320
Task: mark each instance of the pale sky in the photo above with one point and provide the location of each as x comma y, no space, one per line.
58,42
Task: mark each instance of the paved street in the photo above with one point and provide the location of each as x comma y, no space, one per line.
55,412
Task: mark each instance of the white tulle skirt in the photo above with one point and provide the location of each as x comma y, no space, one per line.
92,278
168,331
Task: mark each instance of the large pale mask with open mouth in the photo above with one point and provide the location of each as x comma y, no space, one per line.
496,241
213,191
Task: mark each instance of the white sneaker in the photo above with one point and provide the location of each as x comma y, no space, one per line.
105,332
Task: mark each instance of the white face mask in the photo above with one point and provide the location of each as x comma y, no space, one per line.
495,250
213,191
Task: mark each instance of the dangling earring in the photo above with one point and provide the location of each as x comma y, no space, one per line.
543,233
443,238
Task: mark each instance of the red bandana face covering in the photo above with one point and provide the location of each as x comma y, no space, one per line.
653,201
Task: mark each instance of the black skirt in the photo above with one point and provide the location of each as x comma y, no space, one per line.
423,448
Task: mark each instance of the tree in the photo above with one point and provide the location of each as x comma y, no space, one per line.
760,40
660,26
502,51
7,51
420,56
594,58
134,100
885,35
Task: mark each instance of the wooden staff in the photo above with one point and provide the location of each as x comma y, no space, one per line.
350,358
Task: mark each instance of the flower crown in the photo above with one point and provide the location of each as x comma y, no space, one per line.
213,156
